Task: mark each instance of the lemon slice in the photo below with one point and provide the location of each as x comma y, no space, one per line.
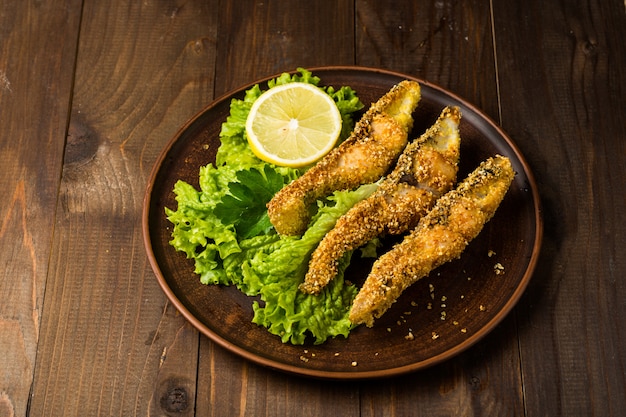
293,125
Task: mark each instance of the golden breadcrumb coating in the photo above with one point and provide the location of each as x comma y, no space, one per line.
374,145
440,236
425,171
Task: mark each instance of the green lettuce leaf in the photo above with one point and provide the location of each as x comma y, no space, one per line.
289,313
224,228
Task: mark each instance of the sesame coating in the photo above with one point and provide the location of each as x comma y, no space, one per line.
440,236
424,172
374,145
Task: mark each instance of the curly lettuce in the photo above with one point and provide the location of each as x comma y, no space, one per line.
224,228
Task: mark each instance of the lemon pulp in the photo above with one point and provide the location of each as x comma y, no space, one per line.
293,124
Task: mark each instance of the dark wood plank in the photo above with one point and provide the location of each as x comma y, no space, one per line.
446,43
37,55
566,109
256,391
265,38
450,44
110,344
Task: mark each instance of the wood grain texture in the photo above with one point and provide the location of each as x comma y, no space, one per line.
570,121
37,54
108,332
229,385
269,37
444,42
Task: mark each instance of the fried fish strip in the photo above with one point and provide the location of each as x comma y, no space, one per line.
425,171
375,143
440,237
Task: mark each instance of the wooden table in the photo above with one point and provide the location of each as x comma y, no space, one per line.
90,93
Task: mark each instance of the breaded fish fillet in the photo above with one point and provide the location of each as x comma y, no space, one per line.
374,145
440,236
425,171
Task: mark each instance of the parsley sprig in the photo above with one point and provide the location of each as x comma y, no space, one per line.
244,205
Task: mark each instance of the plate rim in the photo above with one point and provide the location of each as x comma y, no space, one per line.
353,374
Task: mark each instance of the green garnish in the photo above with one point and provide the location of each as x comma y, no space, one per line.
249,196
224,228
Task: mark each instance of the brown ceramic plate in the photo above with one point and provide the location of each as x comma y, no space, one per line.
472,296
